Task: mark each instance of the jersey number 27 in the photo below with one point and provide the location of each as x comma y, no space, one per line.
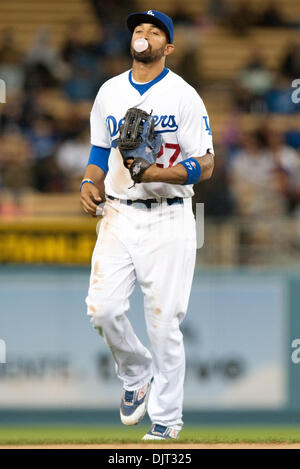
174,156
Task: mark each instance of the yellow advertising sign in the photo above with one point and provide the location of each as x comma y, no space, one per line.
48,242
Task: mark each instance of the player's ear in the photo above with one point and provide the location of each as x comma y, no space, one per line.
169,49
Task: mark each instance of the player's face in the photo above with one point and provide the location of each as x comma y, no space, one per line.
157,40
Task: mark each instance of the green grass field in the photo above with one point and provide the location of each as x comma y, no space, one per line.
99,435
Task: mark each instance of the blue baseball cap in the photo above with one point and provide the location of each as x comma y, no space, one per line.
154,17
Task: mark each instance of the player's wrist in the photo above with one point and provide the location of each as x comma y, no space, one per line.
86,181
172,175
151,174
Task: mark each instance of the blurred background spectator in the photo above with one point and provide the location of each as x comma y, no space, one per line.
290,66
254,81
242,18
15,162
278,97
72,157
218,10
11,67
287,165
254,179
271,16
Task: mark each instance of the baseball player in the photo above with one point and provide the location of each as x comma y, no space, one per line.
147,233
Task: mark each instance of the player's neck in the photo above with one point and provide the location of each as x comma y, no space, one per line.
143,73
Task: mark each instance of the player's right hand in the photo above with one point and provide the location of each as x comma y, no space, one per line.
90,198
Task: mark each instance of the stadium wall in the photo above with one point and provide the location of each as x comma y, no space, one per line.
241,345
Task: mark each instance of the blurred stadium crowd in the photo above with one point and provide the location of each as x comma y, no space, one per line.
44,124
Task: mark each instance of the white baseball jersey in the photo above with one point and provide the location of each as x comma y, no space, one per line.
156,247
180,117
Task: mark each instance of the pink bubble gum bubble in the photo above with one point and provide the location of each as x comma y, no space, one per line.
140,45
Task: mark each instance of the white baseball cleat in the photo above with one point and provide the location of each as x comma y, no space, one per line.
134,404
160,432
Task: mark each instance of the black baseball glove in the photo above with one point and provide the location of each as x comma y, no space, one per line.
138,141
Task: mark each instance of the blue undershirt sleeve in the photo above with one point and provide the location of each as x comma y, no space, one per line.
99,157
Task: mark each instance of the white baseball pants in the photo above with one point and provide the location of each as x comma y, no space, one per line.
156,247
